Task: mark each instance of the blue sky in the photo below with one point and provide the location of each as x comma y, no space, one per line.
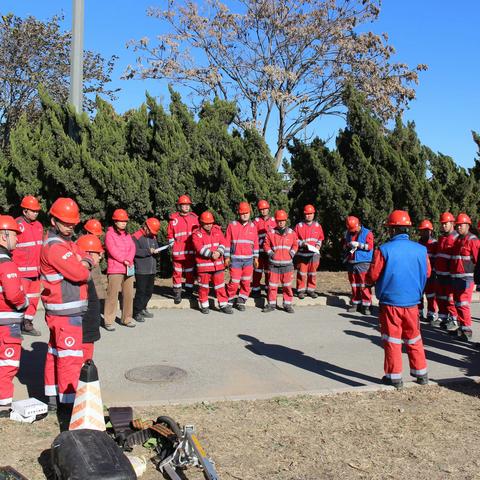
434,32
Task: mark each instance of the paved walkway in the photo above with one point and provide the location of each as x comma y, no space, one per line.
248,355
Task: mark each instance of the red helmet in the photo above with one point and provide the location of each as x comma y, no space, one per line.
446,217
120,215
183,200
425,225
206,217
281,215
262,204
399,218
352,223
308,209
30,203
8,223
153,225
66,210
243,207
93,226
90,243
462,218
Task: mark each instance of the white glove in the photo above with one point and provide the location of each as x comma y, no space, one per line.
354,244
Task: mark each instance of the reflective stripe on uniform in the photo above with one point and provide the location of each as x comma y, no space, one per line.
9,363
53,277
69,353
64,306
397,341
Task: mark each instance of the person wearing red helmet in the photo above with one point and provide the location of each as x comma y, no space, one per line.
93,227
179,234
358,245
443,280
146,244
464,257
241,255
425,229
263,223
281,246
310,239
27,258
13,303
209,247
91,319
65,270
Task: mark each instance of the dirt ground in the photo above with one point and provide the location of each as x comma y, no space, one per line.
418,433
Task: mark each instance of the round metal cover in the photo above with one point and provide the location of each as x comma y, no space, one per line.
155,374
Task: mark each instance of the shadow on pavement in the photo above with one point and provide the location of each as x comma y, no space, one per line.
298,359
32,364
466,386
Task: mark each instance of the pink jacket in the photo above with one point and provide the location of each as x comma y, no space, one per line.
119,247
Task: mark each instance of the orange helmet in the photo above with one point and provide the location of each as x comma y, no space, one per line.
462,218
262,204
120,215
93,226
90,243
425,225
308,209
243,207
206,217
8,223
446,217
153,225
281,215
66,210
184,199
30,203
352,223
399,218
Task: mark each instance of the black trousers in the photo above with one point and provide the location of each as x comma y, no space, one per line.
143,293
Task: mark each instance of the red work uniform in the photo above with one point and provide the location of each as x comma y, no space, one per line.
209,270
27,257
241,248
263,226
443,280
65,297
464,256
308,262
431,245
179,235
13,302
280,247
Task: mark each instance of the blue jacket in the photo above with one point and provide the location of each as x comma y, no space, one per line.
403,278
360,256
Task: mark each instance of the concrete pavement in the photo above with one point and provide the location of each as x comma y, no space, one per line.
247,355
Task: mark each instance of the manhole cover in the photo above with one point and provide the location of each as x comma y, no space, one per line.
155,374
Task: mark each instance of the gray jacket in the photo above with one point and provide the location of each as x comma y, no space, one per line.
145,262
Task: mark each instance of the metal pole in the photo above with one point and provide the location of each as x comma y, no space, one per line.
76,57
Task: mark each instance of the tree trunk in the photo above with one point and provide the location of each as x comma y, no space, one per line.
279,156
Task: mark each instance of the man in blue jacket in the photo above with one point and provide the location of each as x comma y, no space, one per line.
400,270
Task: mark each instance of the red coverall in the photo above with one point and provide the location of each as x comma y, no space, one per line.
443,282
27,257
179,235
399,324
430,287
241,248
65,297
13,302
308,262
209,270
280,248
357,273
464,256
263,226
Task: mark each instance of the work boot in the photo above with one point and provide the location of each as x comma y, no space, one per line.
464,335
204,310
177,296
301,295
451,325
139,317
431,319
312,294
146,314
436,322
240,305
227,309
352,308
422,379
366,310
29,329
268,308
398,384
288,309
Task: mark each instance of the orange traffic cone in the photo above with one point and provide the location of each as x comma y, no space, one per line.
88,408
